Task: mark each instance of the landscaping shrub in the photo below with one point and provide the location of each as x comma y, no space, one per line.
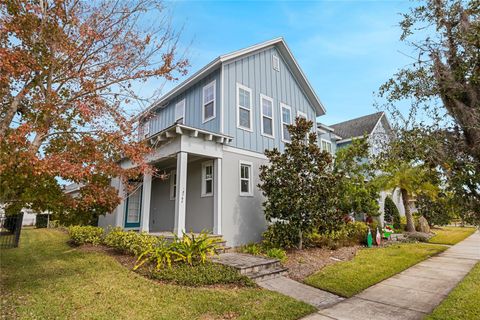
130,242
280,235
189,249
251,248
41,221
349,234
201,274
277,253
85,234
391,213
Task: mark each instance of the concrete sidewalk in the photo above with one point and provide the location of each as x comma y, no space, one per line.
413,293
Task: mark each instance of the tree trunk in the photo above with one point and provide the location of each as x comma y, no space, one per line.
300,240
408,214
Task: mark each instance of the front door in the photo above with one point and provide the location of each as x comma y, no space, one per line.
133,209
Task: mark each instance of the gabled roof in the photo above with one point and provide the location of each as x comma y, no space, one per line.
359,126
216,63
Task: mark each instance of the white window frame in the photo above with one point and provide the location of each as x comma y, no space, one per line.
286,106
276,59
204,179
177,105
250,178
214,84
264,97
327,142
173,184
241,86
302,114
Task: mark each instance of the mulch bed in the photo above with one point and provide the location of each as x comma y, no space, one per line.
302,263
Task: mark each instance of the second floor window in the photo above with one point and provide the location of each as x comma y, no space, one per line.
286,120
327,146
209,101
180,111
267,115
244,107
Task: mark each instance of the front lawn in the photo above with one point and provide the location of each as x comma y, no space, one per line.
463,301
47,279
369,267
451,235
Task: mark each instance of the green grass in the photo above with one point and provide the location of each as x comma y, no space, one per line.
47,279
369,267
450,235
463,301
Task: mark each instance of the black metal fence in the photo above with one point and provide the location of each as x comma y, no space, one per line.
10,228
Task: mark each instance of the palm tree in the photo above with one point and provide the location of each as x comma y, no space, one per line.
411,180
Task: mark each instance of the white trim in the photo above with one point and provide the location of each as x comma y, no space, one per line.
181,102
350,139
376,124
250,178
217,196
206,164
222,100
264,97
245,88
214,84
277,59
173,184
244,152
286,106
302,114
146,201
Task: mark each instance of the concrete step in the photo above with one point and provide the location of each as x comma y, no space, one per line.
266,274
270,264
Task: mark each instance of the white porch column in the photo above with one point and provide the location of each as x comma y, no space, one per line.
120,210
217,196
146,195
180,195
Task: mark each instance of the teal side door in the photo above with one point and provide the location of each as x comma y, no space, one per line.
133,209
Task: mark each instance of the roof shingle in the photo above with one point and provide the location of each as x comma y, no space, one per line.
357,127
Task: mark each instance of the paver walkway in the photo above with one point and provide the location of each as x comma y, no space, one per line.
412,293
313,296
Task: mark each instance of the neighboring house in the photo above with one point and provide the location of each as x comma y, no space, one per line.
209,135
72,189
376,128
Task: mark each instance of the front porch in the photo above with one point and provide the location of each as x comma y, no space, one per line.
189,198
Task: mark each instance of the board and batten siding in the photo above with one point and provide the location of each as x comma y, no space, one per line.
165,117
256,72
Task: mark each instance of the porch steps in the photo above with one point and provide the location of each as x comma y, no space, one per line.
254,267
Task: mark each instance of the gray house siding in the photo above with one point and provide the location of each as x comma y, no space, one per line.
328,137
243,220
165,117
256,72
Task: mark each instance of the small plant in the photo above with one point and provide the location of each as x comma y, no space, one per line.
196,248
277,253
85,234
130,242
280,235
252,248
162,254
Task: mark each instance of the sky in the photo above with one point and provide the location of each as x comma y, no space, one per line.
347,49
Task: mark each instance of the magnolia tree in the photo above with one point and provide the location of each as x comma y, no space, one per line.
299,184
66,76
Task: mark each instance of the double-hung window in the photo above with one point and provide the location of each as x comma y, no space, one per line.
244,107
267,115
180,111
327,146
173,184
207,179
246,178
286,120
209,101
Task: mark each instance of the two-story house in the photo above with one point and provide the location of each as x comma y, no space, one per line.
376,128
209,135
